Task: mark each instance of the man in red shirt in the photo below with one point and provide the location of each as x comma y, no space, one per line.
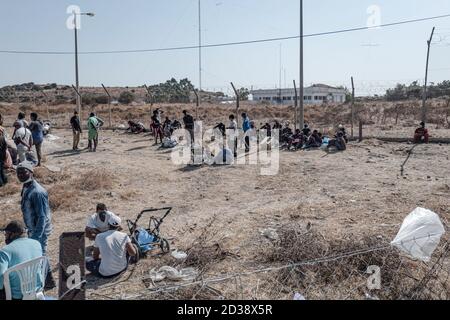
421,134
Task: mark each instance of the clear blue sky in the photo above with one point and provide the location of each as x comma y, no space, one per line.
376,58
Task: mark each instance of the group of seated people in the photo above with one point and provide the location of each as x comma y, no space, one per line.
111,254
309,139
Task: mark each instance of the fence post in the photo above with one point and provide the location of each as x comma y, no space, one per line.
353,106
109,106
360,130
237,103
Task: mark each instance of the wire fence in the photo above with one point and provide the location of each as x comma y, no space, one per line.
370,272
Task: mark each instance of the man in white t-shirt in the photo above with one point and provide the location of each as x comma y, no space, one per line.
23,140
111,251
98,222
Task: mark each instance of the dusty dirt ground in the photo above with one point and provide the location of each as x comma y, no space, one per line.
355,193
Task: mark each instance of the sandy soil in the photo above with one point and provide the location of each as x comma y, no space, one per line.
359,191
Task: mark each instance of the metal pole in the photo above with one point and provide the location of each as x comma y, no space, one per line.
353,106
199,48
296,106
424,98
76,64
237,103
79,96
109,106
302,113
196,104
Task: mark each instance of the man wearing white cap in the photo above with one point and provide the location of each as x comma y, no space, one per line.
111,251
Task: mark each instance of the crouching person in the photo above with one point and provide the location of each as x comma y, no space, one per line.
18,249
98,222
112,250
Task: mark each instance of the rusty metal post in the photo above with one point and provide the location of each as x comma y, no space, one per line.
237,103
109,106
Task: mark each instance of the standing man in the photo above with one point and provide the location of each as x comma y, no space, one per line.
37,132
188,121
246,127
232,140
76,130
36,211
23,140
94,124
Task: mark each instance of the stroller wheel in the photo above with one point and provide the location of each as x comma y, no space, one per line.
165,246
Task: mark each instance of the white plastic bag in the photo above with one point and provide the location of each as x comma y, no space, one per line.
419,234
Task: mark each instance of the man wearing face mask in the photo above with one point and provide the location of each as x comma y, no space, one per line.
18,249
36,211
98,222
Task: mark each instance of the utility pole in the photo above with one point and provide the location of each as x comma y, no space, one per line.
279,82
353,105
424,99
301,102
296,107
77,84
199,48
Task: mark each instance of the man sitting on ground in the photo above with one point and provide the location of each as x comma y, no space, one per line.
338,142
314,141
98,222
421,134
18,249
297,140
111,251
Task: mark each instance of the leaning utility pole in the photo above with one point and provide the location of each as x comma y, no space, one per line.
302,112
424,98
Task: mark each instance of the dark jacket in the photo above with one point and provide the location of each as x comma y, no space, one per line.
75,123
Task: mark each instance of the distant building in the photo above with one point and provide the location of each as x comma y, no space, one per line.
315,94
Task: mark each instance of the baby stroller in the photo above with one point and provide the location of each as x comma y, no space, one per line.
147,239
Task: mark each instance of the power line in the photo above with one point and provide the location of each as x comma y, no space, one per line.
227,43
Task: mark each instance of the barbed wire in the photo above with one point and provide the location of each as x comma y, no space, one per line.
227,277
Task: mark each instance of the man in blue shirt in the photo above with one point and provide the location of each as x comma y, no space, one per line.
246,127
36,210
37,131
18,249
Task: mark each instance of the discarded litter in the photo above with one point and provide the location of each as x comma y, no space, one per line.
170,273
179,255
51,137
298,296
419,234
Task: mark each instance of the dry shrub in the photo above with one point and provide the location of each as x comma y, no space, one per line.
65,195
203,256
93,180
46,177
12,187
330,270
62,197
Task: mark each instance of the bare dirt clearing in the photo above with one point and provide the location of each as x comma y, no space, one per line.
347,195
